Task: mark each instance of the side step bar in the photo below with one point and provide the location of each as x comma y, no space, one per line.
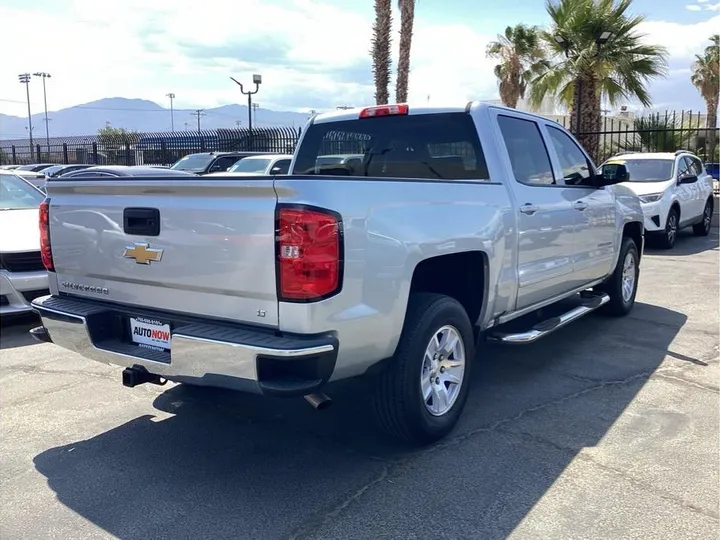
547,327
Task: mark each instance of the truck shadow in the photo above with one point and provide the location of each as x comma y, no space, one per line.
231,465
14,331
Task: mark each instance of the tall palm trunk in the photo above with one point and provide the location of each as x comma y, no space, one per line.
711,131
586,125
407,20
380,51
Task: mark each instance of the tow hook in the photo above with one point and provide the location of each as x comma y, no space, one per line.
318,401
132,377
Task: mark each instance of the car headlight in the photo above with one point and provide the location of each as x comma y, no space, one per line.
653,197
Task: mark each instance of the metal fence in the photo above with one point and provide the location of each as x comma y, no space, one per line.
146,148
658,132
662,132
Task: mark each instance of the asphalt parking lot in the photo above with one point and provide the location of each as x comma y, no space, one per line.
606,429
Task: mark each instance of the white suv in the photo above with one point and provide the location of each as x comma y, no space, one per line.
675,192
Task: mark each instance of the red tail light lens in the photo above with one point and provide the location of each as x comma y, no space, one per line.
384,110
309,254
45,249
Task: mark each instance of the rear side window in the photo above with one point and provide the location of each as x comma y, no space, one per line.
528,156
695,166
425,146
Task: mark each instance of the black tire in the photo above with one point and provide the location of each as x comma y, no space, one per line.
399,404
666,239
703,228
613,287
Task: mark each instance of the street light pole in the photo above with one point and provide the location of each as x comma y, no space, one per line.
257,81
44,76
172,111
24,78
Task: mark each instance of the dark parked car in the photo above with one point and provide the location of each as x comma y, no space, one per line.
119,171
211,162
57,170
35,167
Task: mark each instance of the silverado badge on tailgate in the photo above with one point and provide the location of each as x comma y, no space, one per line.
143,253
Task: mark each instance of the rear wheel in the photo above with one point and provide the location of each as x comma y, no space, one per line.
703,228
668,237
622,285
421,394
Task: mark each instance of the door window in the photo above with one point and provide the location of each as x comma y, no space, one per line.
683,167
528,155
281,166
576,168
222,164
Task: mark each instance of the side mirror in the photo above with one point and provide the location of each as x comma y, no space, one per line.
275,170
687,179
613,173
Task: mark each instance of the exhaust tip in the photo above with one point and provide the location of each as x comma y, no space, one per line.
318,401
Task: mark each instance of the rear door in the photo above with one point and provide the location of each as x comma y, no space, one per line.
545,214
593,210
185,245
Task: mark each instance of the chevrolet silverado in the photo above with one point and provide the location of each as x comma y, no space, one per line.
457,224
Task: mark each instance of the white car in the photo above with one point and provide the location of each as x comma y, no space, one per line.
22,274
675,192
266,164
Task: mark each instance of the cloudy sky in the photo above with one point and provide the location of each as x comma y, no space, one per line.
311,54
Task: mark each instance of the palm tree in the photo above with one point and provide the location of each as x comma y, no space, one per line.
706,79
380,50
407,20
598,55
522,57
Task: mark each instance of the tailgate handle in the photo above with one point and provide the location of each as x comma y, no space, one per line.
141,221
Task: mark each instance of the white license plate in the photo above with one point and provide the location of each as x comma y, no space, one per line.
150,333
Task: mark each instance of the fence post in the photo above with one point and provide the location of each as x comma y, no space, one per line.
202,143
127,153
38,154
14,155
65,154
164,153
95,154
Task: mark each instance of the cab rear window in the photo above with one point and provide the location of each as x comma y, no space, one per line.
425,146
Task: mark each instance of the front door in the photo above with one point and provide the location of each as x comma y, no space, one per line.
544,212
595,238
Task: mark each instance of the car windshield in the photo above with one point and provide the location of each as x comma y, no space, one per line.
648,170
52,170
193,163
16,194
250,165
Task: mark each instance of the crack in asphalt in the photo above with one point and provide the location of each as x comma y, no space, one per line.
667,376
307,528
577,453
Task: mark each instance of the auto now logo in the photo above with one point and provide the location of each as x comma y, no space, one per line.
84,288
162,335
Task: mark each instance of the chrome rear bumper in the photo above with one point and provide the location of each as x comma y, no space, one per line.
205,353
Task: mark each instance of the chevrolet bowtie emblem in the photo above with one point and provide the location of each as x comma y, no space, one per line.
143,253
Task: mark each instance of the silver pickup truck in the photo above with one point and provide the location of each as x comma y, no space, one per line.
454,225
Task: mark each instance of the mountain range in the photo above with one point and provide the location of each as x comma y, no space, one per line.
140,115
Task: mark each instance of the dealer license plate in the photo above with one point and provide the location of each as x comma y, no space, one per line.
150,333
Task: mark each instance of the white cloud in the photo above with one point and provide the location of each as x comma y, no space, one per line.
693,7
96,49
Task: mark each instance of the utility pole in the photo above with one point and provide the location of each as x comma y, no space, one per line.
172,111
198,113
47,125
24,78
257,81
238,123
255,108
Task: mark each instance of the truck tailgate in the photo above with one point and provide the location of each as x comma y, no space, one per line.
214,253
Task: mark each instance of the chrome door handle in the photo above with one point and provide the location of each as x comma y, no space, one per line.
579,205
528,209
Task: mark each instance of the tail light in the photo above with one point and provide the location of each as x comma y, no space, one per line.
45,249
385,110
309,254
